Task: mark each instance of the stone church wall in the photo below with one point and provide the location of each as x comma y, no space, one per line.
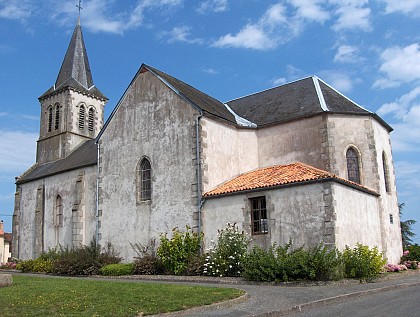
297,141
297,213
37,231
227,152
151,121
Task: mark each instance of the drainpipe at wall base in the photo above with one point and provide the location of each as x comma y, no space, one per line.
97,198
198,169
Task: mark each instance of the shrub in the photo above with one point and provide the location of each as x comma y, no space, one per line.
412,253
175,253
38,265
196,265
227,256
363,263
84,260
117,269
148,265
280,263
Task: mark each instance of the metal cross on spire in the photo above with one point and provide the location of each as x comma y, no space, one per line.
79,6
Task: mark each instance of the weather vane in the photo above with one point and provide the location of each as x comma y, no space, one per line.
79,6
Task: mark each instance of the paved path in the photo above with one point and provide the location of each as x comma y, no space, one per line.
269,300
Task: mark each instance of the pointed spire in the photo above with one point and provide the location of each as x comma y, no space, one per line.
76,63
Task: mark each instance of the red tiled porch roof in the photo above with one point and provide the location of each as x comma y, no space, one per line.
277,176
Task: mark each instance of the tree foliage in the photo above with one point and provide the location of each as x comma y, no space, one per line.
406,230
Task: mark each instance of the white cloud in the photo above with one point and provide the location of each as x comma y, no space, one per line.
181,34
407,177
339,80
310,10
213,6
400,64
406,110
100,15
17,151
211,71
279,81
347,54
409,7
16,9
352,15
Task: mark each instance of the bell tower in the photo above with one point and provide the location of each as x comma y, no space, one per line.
72,110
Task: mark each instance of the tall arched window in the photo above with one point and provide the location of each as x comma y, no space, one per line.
91,119
82,113
353,169
386,172
57,116
50,118
58,212
144,180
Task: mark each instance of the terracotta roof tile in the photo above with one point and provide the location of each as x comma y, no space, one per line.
276,176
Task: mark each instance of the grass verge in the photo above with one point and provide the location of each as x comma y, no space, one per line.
40,296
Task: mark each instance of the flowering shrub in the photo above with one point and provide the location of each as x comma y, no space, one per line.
395,267
8,265
411,254
226,257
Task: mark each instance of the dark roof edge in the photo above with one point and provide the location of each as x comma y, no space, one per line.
54,173
308,182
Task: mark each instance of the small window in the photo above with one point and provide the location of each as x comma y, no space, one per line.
50,118
259,215
391,219
386,172
353,169
91,119
58,212
82,113
145,180
57,117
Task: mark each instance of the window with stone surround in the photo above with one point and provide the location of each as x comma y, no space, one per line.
144,180
353,168
386,172
82,114
50,118
58,212
259,223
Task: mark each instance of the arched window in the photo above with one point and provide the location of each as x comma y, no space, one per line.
353,169
144,180
386,172
50,118
57,117
58,212
91,119
82,113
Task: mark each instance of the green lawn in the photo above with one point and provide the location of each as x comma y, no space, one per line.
38,296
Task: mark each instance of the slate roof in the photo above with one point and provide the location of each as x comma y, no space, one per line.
304,98
75,71
280,175
206,103
84,155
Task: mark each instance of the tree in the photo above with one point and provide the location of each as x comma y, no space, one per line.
406,231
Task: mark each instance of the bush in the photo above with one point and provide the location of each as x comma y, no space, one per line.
363,263
84,260
412,253
282,264
176,253
38,265
148,265
117,269
227,256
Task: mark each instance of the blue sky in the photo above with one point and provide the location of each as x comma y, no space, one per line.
368,50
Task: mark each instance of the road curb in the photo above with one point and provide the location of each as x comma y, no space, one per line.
334,299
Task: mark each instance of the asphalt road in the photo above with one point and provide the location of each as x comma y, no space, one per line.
396,303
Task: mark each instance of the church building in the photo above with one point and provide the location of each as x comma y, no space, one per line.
297,162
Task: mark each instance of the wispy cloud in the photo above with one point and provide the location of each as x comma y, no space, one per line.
17,151
352,15
211,71
16,9
347,54
181,34
409,7
339,80
209,6
400,65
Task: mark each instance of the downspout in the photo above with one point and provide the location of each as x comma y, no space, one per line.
198,169
43,217
97,197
